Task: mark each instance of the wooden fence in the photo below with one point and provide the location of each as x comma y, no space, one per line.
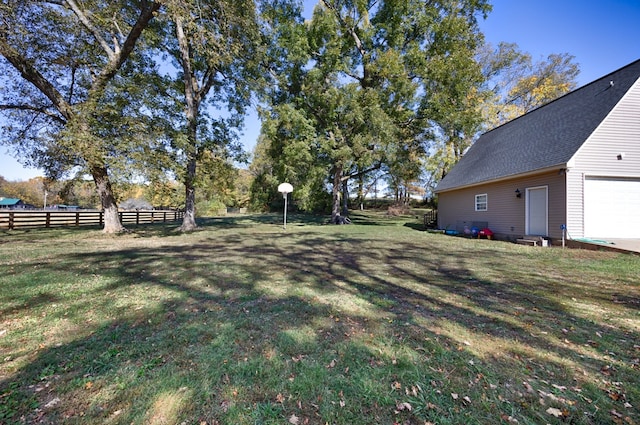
24,219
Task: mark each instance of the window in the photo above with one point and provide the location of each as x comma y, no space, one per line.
482,202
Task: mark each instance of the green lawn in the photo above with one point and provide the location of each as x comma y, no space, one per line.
377,322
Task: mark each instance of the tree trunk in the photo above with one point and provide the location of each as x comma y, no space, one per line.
189,219
335,210
361,192
192,106
345,198
103,186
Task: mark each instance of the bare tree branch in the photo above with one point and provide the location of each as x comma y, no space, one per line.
146,14
43,110
94,31
32,75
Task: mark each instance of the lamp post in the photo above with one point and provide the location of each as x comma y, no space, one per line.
285,188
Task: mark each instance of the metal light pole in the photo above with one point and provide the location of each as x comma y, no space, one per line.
285,188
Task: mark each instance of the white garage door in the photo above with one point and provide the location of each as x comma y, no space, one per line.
611,208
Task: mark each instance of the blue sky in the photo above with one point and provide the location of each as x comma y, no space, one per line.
603,35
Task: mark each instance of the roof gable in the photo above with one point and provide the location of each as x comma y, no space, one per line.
543,138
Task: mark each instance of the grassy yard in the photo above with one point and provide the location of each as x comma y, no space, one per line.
373,323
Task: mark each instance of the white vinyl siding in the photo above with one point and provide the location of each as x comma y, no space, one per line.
618,133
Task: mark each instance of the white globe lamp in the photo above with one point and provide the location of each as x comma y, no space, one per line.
285,188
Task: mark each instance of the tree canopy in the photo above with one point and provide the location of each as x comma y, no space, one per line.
157,91
63,61
369,82
213,47
518,85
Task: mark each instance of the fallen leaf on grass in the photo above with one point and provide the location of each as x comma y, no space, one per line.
52,403
555,412
280,398
454,396
615,396
332,364
606,370
616,414
550,396
509,419
403,406
293,419
412,391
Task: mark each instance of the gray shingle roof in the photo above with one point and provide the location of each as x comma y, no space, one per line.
545,137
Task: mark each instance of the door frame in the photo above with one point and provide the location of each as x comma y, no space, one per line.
527,219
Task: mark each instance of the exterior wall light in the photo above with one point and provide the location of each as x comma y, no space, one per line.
518,194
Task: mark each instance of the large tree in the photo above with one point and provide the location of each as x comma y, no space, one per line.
518,84
512,84
364,75
213,47
60,60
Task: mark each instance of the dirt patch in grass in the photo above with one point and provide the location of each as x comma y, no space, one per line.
242,322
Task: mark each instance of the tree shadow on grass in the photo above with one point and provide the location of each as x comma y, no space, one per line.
337,324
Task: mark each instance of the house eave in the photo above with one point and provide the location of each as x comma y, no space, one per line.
557,167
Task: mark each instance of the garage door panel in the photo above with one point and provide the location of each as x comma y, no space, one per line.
611,208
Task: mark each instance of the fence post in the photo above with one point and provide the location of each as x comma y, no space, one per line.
47,220
77,218
10,220
137,217
101,218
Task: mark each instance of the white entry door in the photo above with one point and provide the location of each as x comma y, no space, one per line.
537,211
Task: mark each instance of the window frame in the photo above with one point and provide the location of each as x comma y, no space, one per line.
478,203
